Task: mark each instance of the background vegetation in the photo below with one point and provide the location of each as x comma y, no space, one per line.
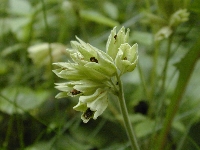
162,94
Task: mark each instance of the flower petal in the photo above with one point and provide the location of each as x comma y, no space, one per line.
99,104
126,59
115,40
96,103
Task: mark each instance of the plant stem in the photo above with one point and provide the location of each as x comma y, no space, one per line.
186,68
154,72
49,45
141,74
164,73
127,123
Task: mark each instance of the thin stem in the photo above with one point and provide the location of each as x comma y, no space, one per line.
127,123
8,132
154,71
49,45
166,64
186,68
143,81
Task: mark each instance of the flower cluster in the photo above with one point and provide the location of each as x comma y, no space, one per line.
180,16
92,74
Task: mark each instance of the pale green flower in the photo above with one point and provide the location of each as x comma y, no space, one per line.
93,105
182,15
163,33
93,73
77,88
127,57
39,53
92,59
115,40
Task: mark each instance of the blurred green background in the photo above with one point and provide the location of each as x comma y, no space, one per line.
32,119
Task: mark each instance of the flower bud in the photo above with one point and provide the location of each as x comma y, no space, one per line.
69,71
127,57
163,33
95,62
115,40
77,88
178,17
93,105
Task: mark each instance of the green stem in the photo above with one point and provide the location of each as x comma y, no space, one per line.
127,123
166,64
154,72
146,92
185,67
49,45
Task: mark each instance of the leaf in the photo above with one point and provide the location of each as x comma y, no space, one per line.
12,49
20,7
20,99
185,68
41,145
179,126
195,6
110,9
137,118
64,142
144,128
97,17
144,38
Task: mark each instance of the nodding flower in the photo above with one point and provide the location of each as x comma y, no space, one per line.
92,74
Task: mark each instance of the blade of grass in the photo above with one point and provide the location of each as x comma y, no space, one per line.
185,67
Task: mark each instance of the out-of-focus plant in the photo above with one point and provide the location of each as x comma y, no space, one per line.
40,53
162,102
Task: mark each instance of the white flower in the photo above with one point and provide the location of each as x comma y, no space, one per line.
163,33
93,73
93,105
40,53
178,17
115,40
127,58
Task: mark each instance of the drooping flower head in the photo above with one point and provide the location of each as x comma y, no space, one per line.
92,73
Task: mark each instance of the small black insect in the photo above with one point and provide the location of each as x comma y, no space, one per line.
88,113
75,92
125,58
93,59
115,36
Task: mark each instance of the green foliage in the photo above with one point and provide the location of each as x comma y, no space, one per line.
162,95
18,100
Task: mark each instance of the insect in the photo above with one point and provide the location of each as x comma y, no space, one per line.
115,36
125,58
75,92
93,59
88,114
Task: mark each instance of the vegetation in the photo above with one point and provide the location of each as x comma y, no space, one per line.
161,94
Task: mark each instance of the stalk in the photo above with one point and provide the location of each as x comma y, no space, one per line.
127,123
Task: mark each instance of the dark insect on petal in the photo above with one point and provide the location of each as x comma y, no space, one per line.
93,59
125,58
115,36
75,92
88,113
